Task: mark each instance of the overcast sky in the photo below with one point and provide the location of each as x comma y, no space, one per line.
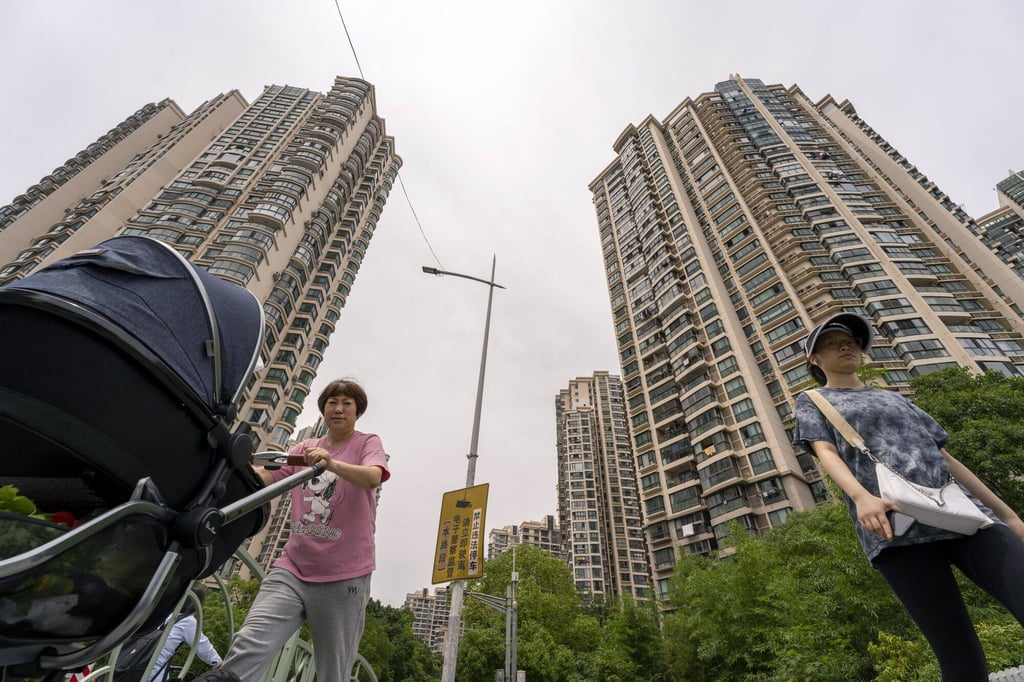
503,113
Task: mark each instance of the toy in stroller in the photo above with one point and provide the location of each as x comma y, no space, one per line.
120,368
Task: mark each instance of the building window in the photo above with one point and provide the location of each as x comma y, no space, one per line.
268,395
650,481
720,347
683,499
925,348
727,367
912,327
664,558
735,387
761,461
752,434
654,505
771,490
743,410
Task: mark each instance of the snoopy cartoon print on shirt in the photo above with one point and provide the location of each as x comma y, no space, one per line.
318,502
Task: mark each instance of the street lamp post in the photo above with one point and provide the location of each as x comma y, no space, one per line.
451,640
510,608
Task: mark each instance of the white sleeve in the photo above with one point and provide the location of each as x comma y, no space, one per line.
206,651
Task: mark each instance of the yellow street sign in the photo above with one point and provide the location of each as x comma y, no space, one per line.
459,554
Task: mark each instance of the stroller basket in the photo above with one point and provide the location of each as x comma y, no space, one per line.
120,368
80,584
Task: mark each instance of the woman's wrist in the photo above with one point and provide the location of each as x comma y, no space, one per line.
860,496
1011,519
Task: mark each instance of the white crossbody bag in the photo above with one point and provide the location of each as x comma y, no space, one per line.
947,507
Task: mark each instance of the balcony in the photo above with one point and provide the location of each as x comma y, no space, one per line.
228,160
213,179
308,160
270,215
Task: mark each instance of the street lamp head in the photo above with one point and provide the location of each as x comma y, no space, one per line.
431,271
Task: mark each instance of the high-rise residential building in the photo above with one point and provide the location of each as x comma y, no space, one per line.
281,196
144,152
429,616
543,534
315,430
729,229
1002,230
598,502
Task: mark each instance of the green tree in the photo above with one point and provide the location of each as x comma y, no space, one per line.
800,603
632,645
984,415
557,642
904,660
391,649
215,620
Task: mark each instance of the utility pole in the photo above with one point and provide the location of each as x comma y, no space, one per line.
451,640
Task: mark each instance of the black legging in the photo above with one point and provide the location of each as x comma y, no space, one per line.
922,578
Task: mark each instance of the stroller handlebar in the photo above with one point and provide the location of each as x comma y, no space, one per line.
272,459
238,509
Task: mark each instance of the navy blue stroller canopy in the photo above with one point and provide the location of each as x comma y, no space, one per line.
120,368
206,330
125,359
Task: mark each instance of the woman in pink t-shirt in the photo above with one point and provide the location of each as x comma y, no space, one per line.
323,574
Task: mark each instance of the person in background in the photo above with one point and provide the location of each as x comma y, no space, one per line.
183,631
918,563
323,574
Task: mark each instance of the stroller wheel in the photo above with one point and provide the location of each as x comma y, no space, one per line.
218,675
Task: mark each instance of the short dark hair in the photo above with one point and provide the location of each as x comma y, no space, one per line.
347,388
817,373
189,608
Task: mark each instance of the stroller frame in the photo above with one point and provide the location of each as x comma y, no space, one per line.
196,525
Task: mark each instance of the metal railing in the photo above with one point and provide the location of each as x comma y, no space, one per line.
294,663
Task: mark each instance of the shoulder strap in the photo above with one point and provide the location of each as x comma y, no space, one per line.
847,431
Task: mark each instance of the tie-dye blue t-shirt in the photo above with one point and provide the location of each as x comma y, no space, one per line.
898,433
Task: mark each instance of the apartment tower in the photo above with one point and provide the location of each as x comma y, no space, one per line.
729,229
598,503
281,196
1002,230
429,616
543,534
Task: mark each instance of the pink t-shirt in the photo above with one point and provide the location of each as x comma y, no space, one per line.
333,521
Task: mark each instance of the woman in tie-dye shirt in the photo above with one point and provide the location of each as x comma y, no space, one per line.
918,562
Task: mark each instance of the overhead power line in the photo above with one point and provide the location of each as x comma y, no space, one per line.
345,26
398,175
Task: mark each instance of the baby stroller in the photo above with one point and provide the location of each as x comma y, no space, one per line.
120,368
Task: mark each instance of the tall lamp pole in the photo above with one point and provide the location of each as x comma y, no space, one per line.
451,640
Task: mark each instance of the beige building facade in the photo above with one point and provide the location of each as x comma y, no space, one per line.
544,534
94,193
281,196
729,229
1002,230
429,616
598,501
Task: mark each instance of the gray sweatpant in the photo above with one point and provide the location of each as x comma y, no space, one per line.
336,612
